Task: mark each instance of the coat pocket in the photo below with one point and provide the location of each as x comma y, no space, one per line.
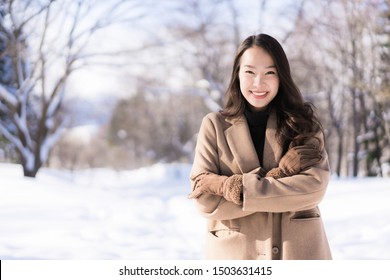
304,237
221,233
306,215
226,244
223,228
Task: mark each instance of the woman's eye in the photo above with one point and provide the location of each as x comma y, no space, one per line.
271,73
249,72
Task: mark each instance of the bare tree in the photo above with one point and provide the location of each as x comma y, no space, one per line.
336,44
48,41
205,47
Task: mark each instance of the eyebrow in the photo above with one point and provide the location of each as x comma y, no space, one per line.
251,66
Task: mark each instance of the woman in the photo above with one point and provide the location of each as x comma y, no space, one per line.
260,168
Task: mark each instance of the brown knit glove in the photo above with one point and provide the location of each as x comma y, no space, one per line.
228,187
232,189
295,160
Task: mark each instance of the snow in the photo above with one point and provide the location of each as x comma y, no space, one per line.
7,96
144,214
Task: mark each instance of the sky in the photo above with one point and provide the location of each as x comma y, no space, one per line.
94,81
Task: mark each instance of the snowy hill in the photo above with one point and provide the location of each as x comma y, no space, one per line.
145,214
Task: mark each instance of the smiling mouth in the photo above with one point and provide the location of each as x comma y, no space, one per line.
260,94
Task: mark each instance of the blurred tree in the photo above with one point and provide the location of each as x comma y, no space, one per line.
46,41
205,49
156,127
383,26
335,50
7,79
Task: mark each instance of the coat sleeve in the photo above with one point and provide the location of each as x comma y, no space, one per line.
299,192
207,160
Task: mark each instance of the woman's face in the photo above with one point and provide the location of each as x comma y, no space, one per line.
259,81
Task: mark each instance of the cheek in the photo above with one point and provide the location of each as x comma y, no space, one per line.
240,82
275,83
243,82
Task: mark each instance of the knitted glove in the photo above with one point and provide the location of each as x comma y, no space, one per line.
228,187
295,160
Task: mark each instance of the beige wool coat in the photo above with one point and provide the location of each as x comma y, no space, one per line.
279,218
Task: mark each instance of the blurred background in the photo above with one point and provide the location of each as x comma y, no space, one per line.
123,84
101,102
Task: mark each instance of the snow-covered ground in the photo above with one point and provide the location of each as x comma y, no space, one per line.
145,214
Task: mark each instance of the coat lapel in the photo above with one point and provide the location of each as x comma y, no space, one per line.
272,150
241,145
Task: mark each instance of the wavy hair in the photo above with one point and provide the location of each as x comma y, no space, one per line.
296,121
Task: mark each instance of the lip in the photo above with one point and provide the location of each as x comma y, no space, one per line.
259,94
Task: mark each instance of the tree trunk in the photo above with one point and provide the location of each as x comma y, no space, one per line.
355,158
30,173
339,153
31,170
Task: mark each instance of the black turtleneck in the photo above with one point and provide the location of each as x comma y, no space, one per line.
257,122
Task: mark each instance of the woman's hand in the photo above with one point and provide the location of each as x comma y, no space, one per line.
228,187
295,160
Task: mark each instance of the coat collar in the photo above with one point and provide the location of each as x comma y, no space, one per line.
241,145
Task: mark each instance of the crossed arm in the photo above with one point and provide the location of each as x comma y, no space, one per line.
299,182
296,159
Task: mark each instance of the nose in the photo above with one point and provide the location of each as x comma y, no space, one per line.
257,80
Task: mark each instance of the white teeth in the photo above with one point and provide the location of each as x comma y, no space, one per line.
260,93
